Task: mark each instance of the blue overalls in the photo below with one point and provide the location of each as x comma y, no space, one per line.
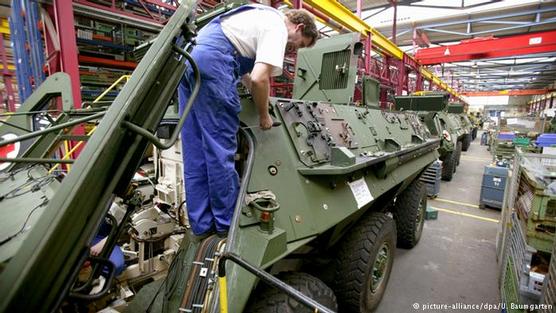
209,133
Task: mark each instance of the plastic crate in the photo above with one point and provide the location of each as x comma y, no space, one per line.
521,141
546,140
506,136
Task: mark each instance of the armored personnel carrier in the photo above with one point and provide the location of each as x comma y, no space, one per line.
466,125
431,109
325,197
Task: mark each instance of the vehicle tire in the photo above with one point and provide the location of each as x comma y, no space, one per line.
409,214
458,153
466,142
448,166
364,262
272,300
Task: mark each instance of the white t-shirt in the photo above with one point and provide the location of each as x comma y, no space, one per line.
259,34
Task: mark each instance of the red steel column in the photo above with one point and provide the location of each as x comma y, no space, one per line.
63,11
401,77
368,47
418,81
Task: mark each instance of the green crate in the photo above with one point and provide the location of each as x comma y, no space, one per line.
431,214
521,141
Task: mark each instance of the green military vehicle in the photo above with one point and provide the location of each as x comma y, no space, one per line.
466,125
474,120
325,197
432,111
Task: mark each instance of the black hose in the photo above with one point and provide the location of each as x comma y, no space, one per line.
246,176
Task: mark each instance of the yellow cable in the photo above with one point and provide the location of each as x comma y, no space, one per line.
223,294
66,148
66,156
71,151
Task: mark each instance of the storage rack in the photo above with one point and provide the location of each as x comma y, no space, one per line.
104,36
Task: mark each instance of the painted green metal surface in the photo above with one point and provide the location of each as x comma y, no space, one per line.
312,203
436,102
455,108
431,109
43,106
328,71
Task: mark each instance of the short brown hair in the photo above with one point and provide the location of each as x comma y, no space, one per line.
304,17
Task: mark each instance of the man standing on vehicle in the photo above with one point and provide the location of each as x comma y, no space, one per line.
247,43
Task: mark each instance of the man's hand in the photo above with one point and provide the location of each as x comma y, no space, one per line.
265,121
97,248
260,83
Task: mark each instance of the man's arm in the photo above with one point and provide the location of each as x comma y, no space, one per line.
260,88
246,81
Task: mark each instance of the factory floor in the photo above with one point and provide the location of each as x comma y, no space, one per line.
455,261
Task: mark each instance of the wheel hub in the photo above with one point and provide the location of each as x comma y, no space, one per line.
380,267
420,220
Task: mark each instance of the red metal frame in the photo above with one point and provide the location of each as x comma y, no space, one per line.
107,62
52,50
485,48
64,22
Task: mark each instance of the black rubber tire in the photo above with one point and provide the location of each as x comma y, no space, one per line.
272,300
355,262
409,214
448,166
466,142
458,153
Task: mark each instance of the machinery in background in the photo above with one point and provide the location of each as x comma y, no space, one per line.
514,132
431,109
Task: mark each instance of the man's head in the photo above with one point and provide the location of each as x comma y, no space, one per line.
302,31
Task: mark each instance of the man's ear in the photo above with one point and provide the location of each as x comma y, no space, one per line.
299,27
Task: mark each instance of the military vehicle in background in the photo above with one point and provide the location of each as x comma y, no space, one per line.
466,125
332,186
475,121
431,109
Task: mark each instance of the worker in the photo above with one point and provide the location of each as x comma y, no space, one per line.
247,43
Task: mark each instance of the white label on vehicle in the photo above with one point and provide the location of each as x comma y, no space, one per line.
535,40
361,192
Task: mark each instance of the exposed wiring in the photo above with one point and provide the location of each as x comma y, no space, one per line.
43,203
31,185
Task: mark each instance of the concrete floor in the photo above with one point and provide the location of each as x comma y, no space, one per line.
455,261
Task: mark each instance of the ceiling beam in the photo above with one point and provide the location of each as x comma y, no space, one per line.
489,48
520,92
475,49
